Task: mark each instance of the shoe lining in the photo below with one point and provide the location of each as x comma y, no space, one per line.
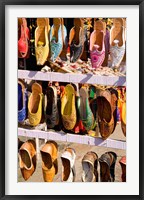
66,169
88,173
25,158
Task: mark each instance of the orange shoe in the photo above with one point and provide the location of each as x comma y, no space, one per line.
27,158
49,160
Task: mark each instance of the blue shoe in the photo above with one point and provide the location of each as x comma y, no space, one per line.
22,101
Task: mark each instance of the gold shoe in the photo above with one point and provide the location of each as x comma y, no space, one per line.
35,105
27,158
68,109
41,40
49,160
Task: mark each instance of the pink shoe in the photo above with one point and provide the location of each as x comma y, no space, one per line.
97,48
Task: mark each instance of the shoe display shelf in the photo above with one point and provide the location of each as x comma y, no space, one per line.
43,133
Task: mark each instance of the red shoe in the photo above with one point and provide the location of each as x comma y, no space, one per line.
23,38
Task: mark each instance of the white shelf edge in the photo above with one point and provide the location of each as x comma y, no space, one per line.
72,78
67,137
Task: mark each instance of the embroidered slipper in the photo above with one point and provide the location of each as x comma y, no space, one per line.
123,167
35,105
117,42
68,165
56,38
107,167
85,112
123,118
52,115
41,40
23,38
97,47
76,40
27,158
105,114
68,108
22,101
49,160
89,165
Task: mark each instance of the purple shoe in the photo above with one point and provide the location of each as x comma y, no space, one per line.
97,49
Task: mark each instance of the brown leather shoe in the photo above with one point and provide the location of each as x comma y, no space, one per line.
123,167
105,114
89,165
107,166
49,160
27,158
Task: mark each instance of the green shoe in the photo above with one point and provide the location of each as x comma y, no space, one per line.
85,112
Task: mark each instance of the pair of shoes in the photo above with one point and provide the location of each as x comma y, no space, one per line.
23,38
68,167
27,158
106,105
68,109
97,46
89,165
76,40
123,167
107,166
49,160
41,40
22,101
117,42
58,43
35,103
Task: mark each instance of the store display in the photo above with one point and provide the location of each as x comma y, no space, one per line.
49,154
71,88
89,165
27,158
68,165
107,166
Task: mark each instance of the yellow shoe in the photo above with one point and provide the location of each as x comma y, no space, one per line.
68,109
41,40
35,105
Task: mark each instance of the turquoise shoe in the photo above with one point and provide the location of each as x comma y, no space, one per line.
56,41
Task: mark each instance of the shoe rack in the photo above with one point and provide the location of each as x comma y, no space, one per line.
42,133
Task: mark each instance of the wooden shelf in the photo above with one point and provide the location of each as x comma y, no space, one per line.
72,77
67,137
